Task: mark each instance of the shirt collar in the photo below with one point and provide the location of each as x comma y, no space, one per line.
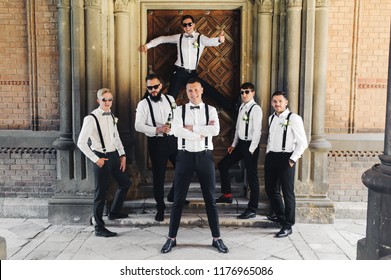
100,111
247,105
201,104
283,114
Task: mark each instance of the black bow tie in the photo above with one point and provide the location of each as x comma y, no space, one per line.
106,114
188,36
194,107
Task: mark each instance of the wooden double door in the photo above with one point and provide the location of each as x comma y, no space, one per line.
219,66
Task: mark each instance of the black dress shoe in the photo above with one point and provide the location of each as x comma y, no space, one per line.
272,218
114,216
284,232
159,217
219,244
223,199
247,215
104,232
170,243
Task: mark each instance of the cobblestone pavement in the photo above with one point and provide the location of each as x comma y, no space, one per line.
36,239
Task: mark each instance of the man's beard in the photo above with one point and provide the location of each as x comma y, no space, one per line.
156,98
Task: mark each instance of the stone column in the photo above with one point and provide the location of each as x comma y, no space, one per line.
122,70
318,145
292,70
264,64
377,243
264,51
72,203
93,48
318,208
64,144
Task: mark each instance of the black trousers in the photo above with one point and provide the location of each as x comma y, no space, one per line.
280,176
102,176
181,76
241,152
161,149
202,163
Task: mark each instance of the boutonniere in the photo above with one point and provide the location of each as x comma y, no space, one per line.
245,117
195,45
173,105
115,120
285,123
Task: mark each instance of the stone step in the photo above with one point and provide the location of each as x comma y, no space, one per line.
238,205
238,189
194,219
142,213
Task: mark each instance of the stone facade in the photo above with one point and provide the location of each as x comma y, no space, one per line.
30,99
345,171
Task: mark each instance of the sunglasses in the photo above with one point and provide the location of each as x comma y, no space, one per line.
187,24
153,87
246,91
107,99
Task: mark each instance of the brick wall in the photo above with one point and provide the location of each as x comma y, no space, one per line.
14,77
27,173
345,171
358,43
20,91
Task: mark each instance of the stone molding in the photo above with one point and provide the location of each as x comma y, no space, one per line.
294,3
93,3
354,153
9,150
322,3
265,6
121,5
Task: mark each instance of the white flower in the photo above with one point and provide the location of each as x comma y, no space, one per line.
245,117
115,121
173,105
195,45
285,123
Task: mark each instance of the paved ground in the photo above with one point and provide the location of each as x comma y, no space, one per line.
32,239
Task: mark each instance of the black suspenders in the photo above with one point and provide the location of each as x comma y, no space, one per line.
207,121
100,131
198,49
151,110
285,130
248,115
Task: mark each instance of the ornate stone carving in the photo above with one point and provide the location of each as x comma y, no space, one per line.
322,3
265,6
370,154
294,3
121,5
96,3
27,150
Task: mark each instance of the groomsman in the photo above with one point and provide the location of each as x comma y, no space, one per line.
108,154
287,142
195,123
154,115
245,146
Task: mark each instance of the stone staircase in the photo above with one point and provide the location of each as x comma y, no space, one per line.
142,211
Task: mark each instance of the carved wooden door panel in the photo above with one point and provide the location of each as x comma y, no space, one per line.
219,66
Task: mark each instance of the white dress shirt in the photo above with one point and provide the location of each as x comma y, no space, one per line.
161,110
189,48
195,140
110,135
254,125
296,139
